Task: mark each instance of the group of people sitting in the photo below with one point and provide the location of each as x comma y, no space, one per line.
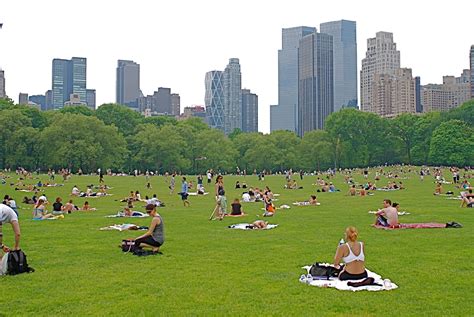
102,191
291,184
40,211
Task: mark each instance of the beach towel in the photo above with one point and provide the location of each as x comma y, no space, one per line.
383,284
387,189
196,194
123,227
284,207
304,203
246,226
135,214
400,213
425,225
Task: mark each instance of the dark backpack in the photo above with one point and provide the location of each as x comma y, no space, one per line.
323,271
128,246
17,263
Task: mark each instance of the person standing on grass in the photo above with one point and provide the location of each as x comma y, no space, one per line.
220,193
184,192
154,237
172,183
7,215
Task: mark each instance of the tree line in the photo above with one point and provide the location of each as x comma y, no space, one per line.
116,137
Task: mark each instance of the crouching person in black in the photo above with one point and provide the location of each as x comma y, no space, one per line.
154,237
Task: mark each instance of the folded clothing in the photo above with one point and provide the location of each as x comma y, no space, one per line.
379,284
124,226
249,226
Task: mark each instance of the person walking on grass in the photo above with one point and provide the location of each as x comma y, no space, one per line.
172,184
184,192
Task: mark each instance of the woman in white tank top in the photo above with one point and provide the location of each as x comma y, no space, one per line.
352,253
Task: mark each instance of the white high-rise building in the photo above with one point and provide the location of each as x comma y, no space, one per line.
381,58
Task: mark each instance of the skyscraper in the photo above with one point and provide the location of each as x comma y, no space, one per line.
315,81
90,98
343,33
69,77
175,104
381,57
284,115
2,84
128,83
232,96
40,100
62,82
214,99
249,111
471,57
22,98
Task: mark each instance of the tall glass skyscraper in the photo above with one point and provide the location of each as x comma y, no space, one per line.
232,96
69,77
214,99
284,115
316,83
345,61
471,57
249,111
128,83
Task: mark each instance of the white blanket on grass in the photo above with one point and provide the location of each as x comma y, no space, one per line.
342,285
135,214
196,194
400,213
122,227
244,226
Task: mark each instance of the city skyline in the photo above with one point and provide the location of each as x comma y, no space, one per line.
181,65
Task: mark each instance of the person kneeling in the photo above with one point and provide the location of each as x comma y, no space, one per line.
352,253
154,237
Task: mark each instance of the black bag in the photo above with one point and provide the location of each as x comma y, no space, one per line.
128,246
17,263
318,270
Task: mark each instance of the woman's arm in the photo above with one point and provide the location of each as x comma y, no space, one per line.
339,255
156,221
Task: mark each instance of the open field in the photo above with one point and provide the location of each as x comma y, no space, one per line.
207,269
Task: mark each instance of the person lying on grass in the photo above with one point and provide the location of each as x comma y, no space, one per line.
154,237
467,199
87,207
258,224
352,254
387,216
312,201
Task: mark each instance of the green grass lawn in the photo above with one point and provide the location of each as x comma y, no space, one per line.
207,269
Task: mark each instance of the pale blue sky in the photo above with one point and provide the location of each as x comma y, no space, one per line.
177,42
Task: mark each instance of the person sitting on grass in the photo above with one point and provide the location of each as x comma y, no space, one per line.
40,212
87,207
154,237
58,206
236,208
362,191
69,207
438,189
352,254
387,216
237,184
269,207
75,191
352,191
467,199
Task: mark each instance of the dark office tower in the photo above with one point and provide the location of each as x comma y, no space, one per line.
22,98
471,57
40,100
163,100
249,111
315,81
69,77
284,115
232,96
175,104
2,84
62,82
343,33
90,98
48,96
79,77
128,83
214,99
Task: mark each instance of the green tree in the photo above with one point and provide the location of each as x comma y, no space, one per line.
159,121
125,119
404,128
316,151
285,143
6,103
452,143
465,112
10,122
424,128
89,145
84,110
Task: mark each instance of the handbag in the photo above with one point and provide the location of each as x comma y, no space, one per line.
128,245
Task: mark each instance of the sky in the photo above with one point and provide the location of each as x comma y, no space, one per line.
177,42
